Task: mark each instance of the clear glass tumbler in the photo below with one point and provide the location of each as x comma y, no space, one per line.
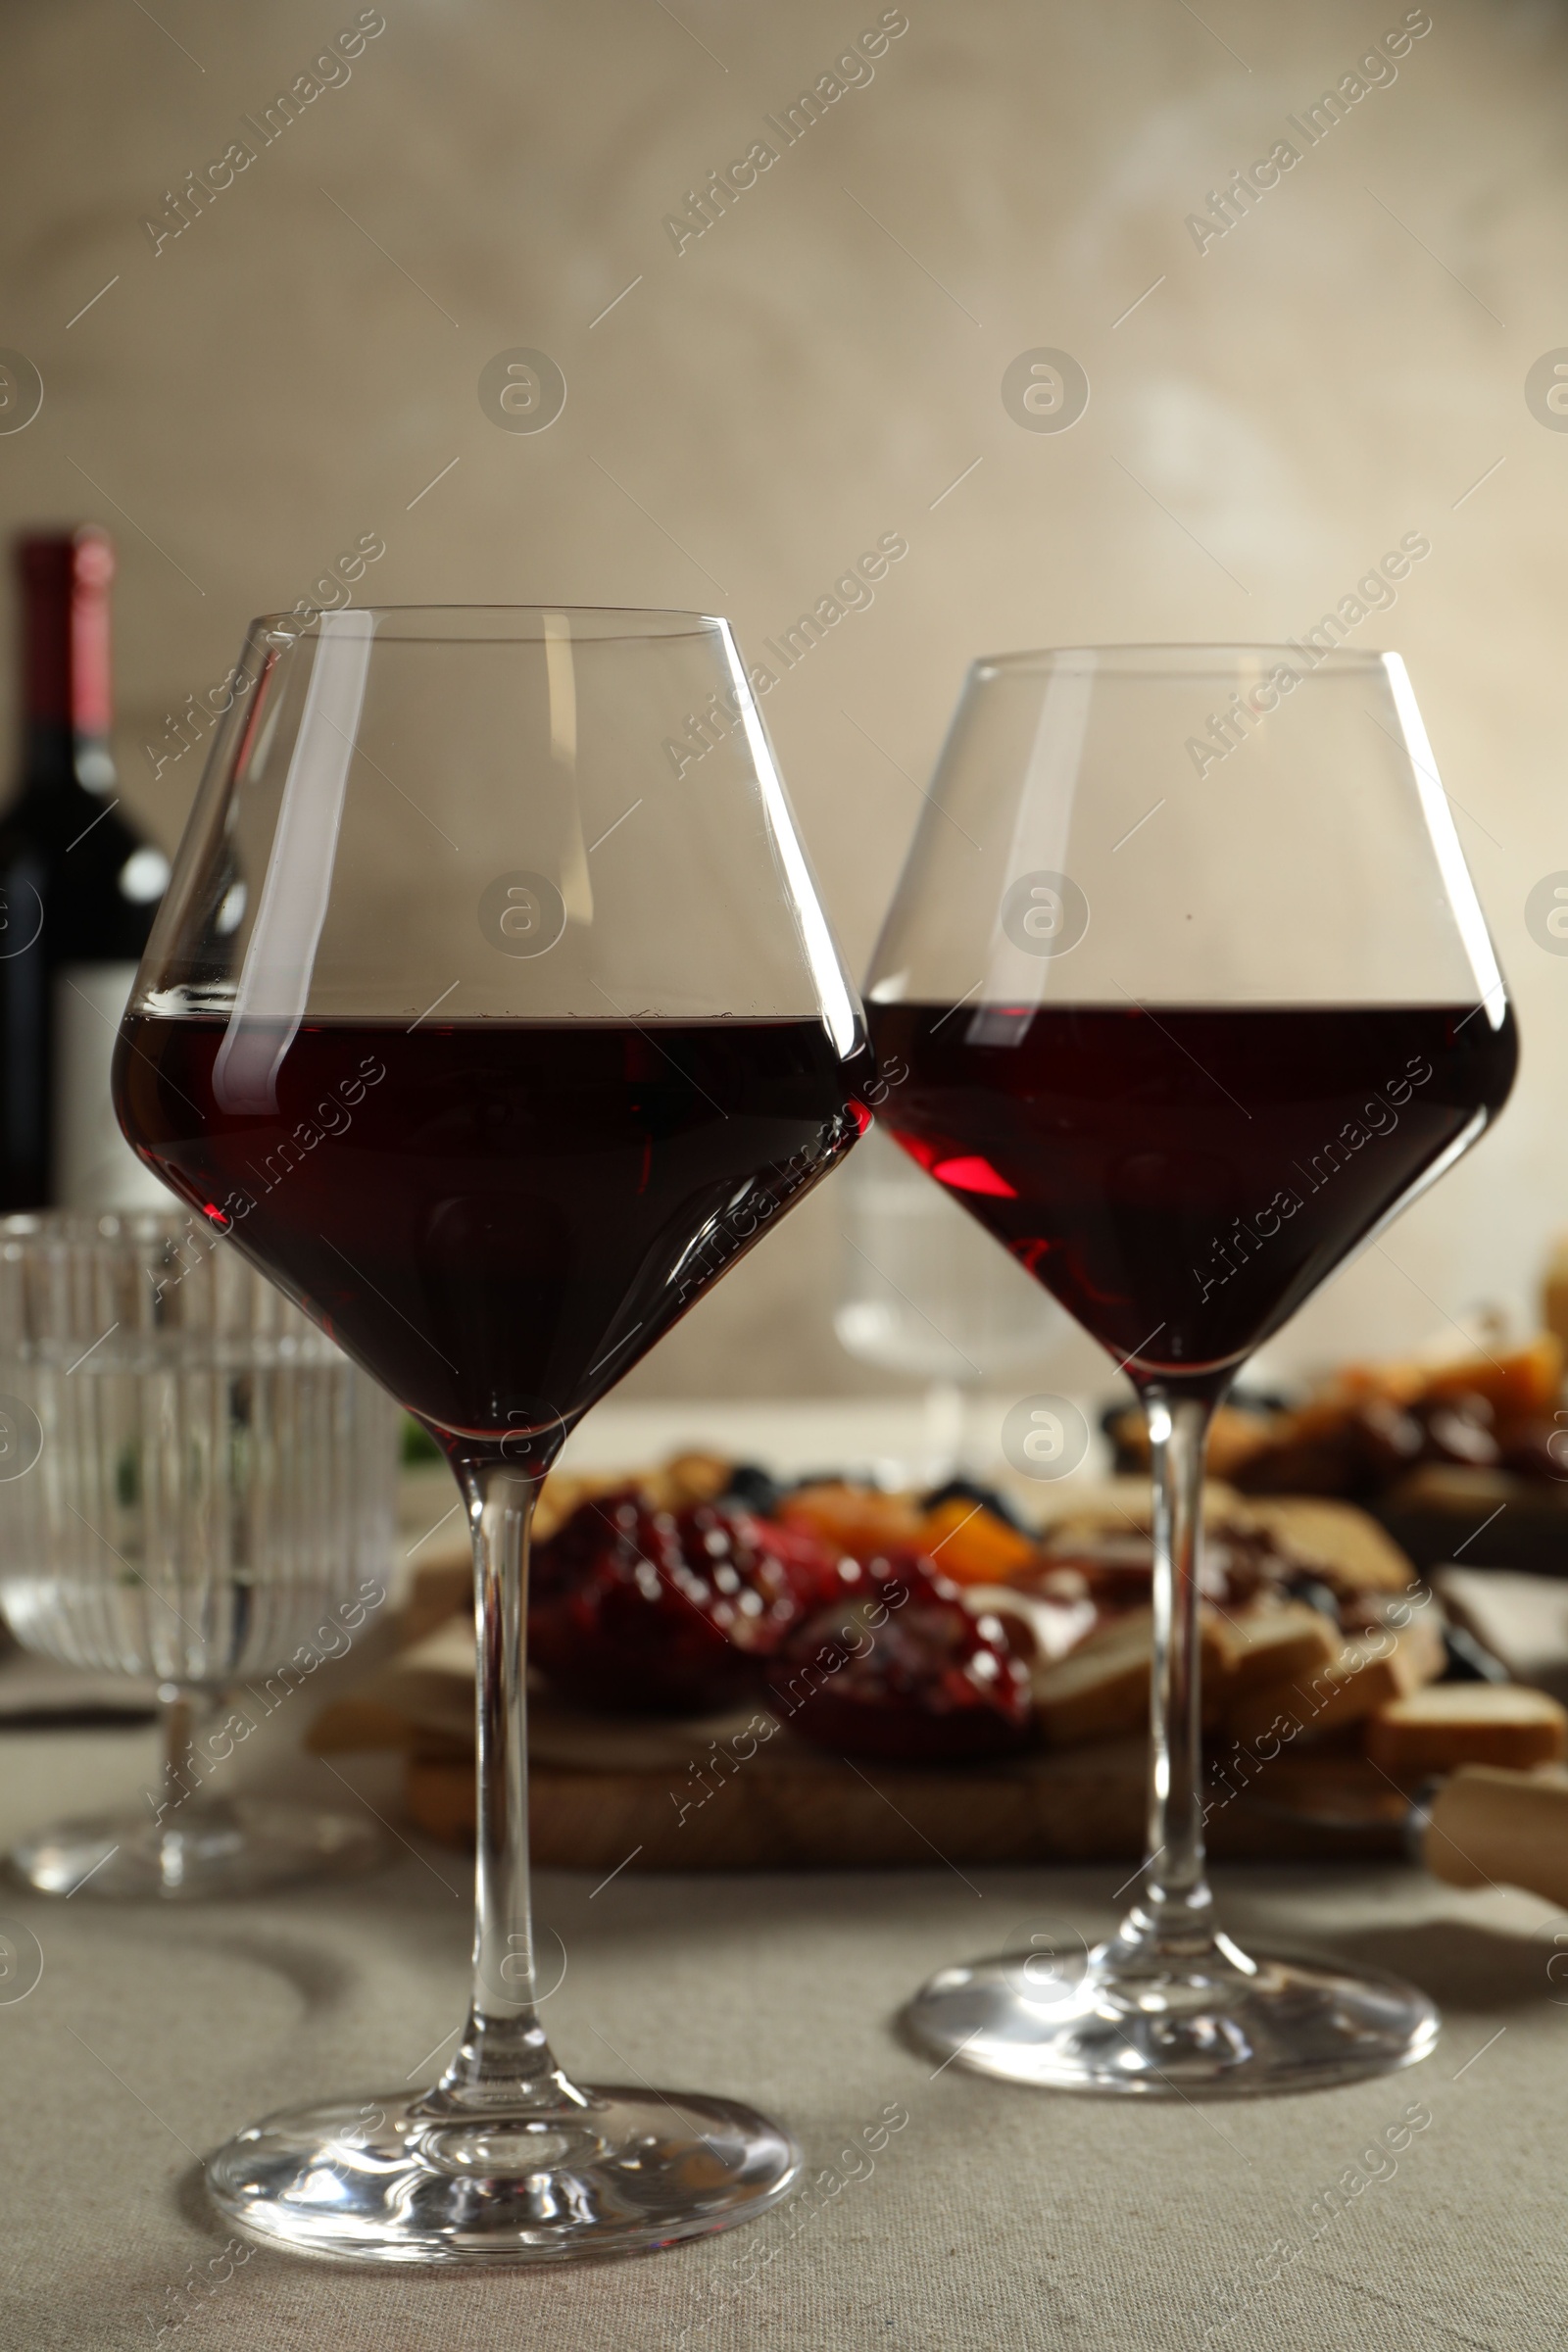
196,1487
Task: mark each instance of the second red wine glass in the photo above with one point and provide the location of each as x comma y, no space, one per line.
1195,995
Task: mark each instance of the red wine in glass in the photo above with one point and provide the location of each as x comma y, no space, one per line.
1194,995
1182,1177
494,1042
497,1218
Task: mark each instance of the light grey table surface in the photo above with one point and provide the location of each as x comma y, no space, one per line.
994,2219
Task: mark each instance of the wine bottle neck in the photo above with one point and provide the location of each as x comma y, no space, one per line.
65,578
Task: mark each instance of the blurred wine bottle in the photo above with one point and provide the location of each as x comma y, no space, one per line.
79,889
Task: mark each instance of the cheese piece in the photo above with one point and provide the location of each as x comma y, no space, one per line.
1102,1687
1490,1827
1467,1723
1523,1620
1100,1690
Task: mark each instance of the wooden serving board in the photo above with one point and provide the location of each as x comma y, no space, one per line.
727,1793
605,1793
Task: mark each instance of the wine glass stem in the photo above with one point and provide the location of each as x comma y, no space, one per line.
184,1710
504,2058
1176,1905
187,1808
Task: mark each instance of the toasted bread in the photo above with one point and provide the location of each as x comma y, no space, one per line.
1345,1544
1467,1723
1367,1671
1277,1642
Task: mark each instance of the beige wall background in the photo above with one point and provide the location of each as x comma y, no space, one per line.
299,368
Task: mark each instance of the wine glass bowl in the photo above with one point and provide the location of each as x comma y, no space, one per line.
547,924
1208,1000
494,1029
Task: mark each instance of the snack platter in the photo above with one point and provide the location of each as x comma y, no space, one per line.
1434,1449
727,1673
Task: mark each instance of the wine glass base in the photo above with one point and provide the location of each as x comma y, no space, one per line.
1214,2023
242,1847
388,2180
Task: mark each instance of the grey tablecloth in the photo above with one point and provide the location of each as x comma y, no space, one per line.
994,2219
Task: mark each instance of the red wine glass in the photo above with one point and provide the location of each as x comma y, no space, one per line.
493,1028
1195,995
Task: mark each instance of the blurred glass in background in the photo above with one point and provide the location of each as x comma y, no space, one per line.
924,1291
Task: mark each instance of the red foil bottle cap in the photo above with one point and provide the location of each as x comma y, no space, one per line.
66,578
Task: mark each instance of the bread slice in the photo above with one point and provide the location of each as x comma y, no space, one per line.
1347,1548
1365,1672
1279,1640
1467,1723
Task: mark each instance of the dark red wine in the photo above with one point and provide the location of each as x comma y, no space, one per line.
497,1218
1183,1178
